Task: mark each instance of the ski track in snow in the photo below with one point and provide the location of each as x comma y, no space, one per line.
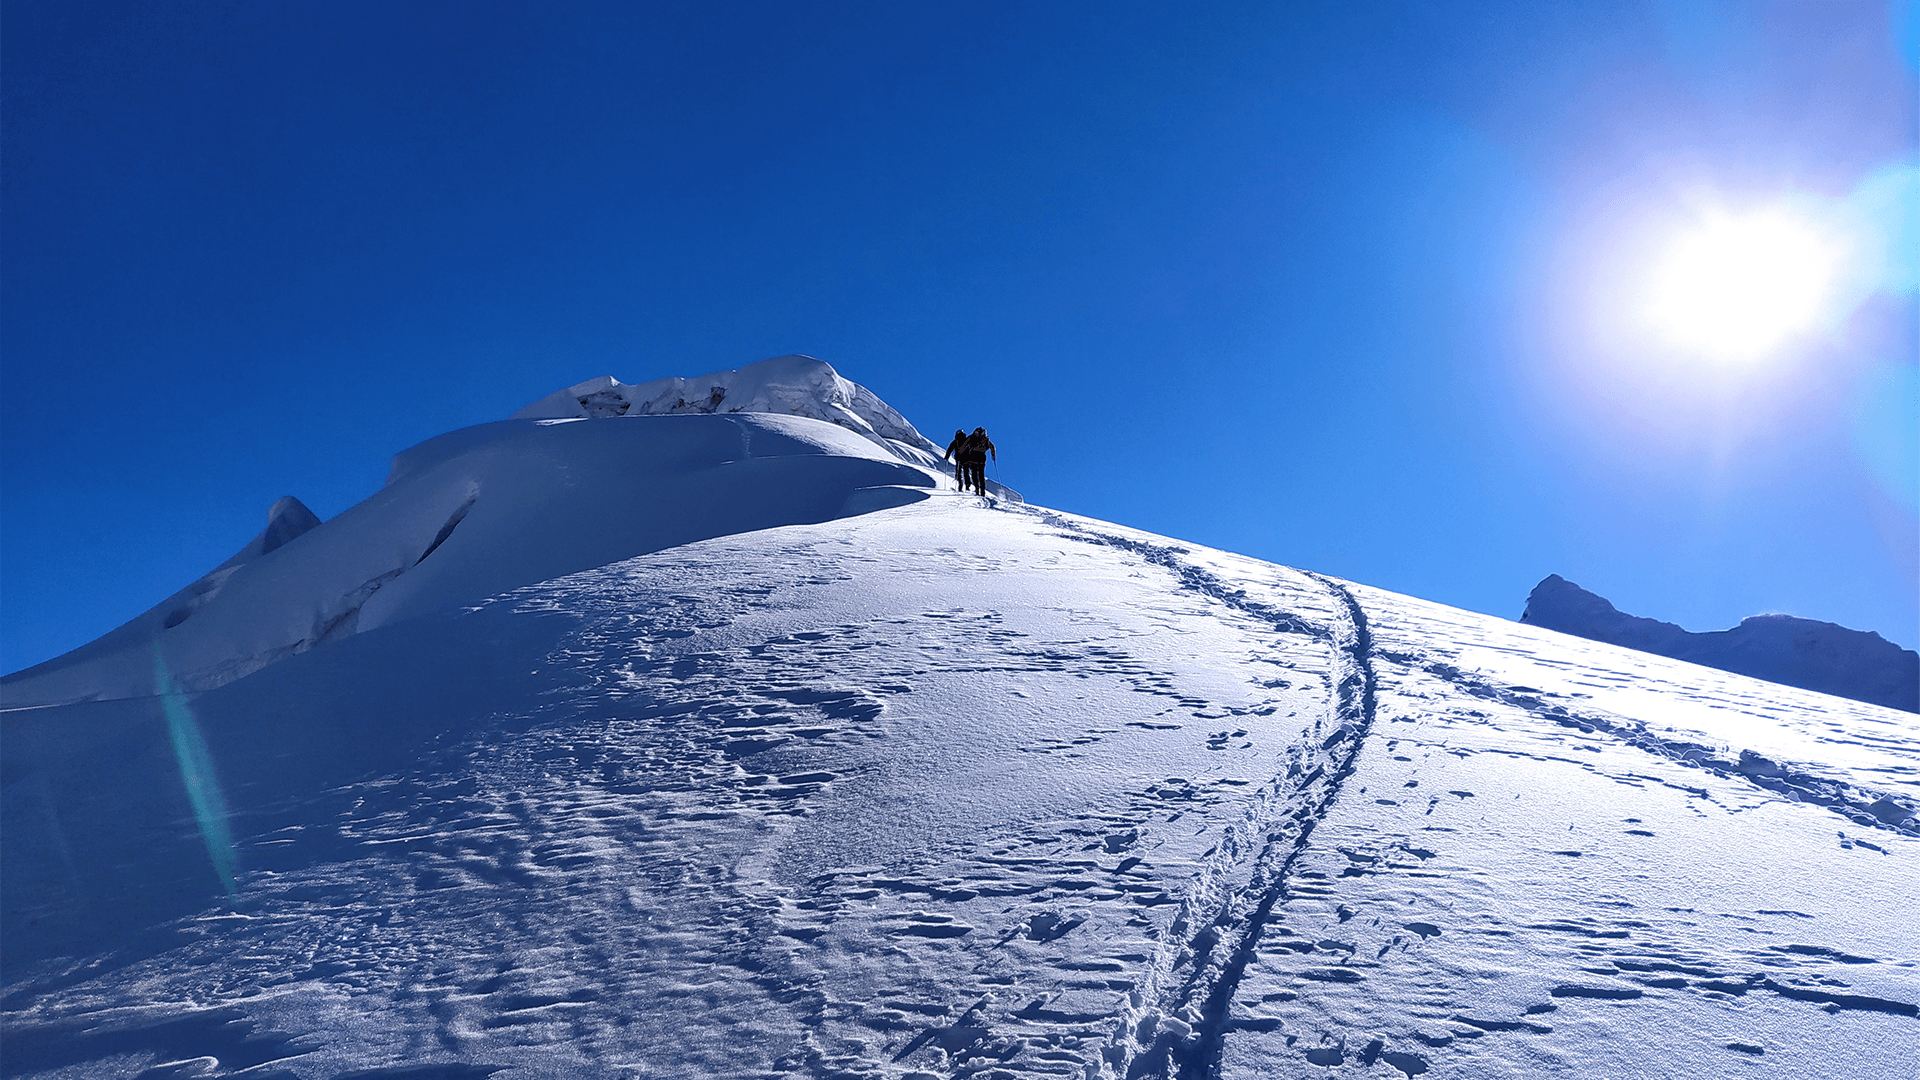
1179,1014
949,793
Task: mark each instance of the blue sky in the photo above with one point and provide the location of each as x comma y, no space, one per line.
1336,285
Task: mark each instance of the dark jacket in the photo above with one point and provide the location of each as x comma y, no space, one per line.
977,447
957,446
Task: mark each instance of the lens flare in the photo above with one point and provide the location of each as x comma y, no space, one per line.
196,772
1738,286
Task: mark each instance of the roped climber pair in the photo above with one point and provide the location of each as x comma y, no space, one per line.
969,456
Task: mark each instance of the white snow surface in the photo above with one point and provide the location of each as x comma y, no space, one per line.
909,784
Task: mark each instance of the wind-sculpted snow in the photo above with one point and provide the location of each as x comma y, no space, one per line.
962,790
788,385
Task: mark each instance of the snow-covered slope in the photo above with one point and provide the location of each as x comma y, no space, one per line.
1806,653
957,788
488,508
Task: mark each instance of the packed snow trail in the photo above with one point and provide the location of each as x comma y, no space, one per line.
1210,992
1180,1013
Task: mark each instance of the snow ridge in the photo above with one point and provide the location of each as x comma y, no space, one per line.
1176,1023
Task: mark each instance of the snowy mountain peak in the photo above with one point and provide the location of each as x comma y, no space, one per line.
787,385
485,509
1806,653
287,519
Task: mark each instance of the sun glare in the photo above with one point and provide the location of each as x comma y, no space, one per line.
1737,287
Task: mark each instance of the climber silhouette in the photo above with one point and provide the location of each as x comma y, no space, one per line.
973,460
959,459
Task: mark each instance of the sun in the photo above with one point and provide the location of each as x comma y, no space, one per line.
1737,287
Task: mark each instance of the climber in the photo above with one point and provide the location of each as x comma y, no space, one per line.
973,457
958,458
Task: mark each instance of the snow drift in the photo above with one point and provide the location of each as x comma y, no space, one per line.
1798,652
928,786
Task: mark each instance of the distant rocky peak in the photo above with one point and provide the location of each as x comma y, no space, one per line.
1556,598
1787,649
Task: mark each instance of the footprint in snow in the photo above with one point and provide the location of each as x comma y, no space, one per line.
1050,926
1410,1064
1328,1056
